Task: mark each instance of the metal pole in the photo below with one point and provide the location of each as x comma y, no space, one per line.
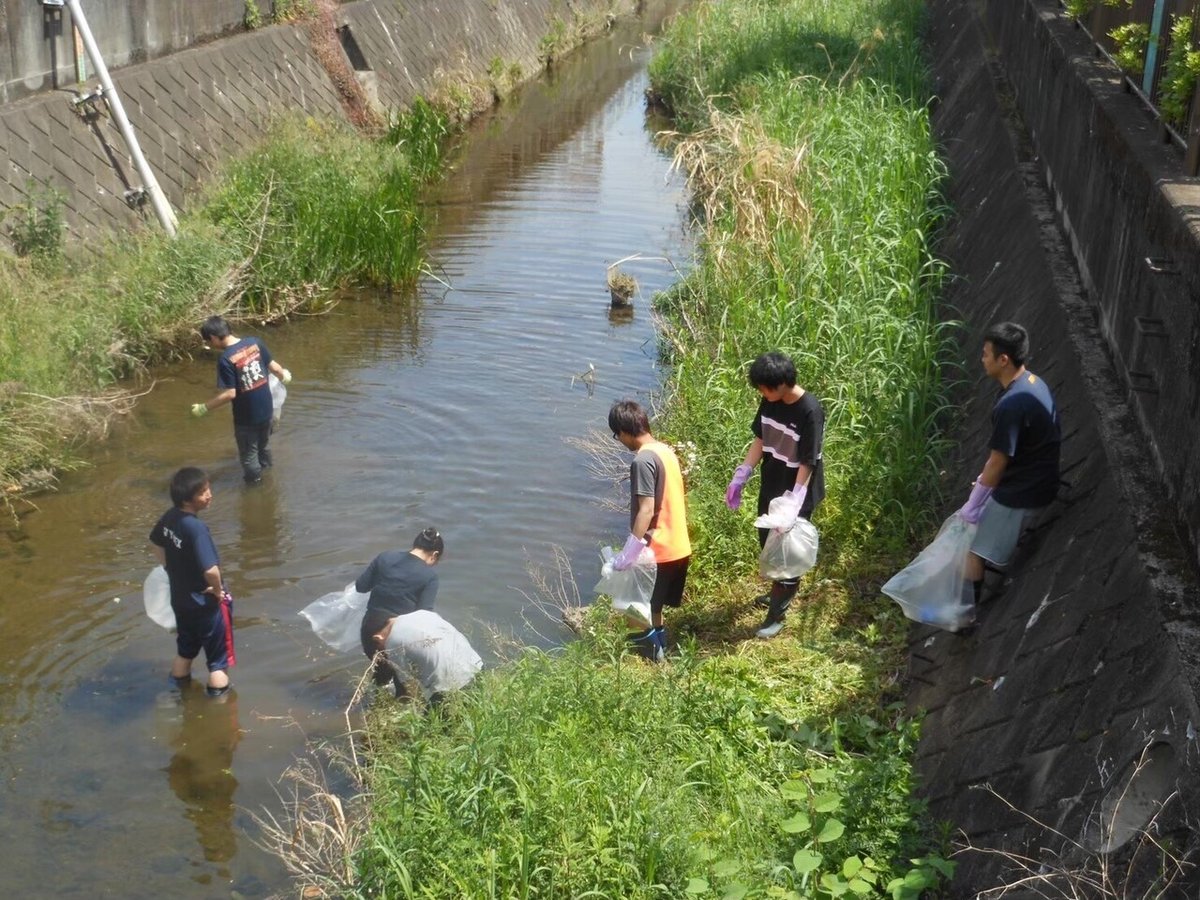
1156,23
158,200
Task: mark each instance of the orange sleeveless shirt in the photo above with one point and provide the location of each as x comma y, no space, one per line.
669,539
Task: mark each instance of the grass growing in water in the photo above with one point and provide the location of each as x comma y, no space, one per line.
316,208
742,768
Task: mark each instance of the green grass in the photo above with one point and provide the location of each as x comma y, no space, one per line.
315,208
741,768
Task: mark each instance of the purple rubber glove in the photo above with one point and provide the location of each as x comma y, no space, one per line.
972,510
733,493
629,553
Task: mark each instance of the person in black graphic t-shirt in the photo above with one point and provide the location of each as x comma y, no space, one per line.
1020,476
242,379
789,430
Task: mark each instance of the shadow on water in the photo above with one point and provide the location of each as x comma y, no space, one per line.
448,407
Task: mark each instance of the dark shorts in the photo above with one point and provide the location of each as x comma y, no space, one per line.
668,584
207,630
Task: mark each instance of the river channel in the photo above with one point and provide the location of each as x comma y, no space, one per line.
452,407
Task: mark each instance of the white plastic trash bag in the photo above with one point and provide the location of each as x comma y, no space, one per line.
630,590
156,594
278,395
337,618
781,513
789,554
437,653
933,588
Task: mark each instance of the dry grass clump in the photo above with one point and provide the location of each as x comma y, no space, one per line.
743,176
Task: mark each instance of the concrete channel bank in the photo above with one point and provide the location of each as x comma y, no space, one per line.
1085,659
196,107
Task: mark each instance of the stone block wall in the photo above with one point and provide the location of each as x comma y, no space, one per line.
193,109
1084,655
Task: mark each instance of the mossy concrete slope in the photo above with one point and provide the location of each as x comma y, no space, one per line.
1084,656
193,109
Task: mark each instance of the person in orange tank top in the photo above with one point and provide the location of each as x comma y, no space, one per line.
657,515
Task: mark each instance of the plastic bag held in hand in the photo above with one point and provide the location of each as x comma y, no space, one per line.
629,553
972,510
733,493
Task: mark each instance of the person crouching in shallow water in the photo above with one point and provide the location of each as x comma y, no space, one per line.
399,582
657,516
203,610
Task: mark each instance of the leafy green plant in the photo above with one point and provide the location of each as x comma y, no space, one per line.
554,43
1131,40
252,18
292,10
1179,73
419,131
35,227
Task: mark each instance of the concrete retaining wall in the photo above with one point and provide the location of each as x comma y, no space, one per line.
193,109
1086,653
1133,220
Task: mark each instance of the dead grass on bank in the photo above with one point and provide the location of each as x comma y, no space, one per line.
741,174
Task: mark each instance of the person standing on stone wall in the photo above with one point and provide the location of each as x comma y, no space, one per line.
242,379
1020,476
789,433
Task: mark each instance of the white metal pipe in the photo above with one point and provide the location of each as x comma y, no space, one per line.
158,200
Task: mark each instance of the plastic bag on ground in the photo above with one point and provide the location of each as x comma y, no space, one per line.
156,594
278,395
438,654
933,588
788,554
630,590
337,618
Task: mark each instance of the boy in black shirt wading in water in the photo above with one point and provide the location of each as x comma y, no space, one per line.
789,429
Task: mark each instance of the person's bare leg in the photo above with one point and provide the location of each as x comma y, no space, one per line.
974,568
218,679
181,668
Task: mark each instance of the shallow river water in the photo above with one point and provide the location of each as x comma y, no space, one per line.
451,407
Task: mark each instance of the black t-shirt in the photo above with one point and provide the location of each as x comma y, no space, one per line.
190,552
792,435
1025,428
399,583
244,366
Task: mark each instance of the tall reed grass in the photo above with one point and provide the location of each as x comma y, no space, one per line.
315,208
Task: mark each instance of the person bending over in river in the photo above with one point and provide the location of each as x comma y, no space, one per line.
203,609
399,582
242,379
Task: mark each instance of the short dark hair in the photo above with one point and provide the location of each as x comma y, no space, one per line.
1010,339
430,541
215,327
772,370
186,484
628,416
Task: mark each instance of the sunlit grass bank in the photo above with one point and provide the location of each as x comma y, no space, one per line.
316,208
741,768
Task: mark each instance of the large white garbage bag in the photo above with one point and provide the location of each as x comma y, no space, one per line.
337,618
156,594
278,395
933,588
630,590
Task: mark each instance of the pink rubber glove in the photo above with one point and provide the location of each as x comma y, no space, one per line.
629,554
733,493
972,510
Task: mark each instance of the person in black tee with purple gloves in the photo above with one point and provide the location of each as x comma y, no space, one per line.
1020,476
